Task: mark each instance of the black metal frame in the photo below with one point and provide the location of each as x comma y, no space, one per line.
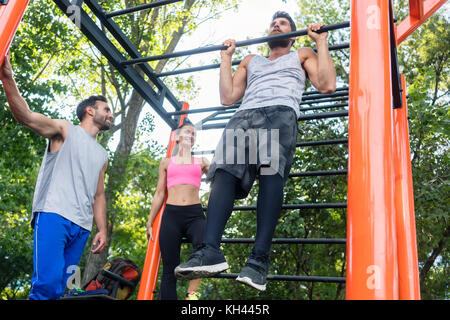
141,7
95,34
396,80
130,66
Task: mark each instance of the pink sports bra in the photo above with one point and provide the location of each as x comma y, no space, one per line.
184,173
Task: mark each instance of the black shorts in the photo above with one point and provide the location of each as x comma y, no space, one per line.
256,141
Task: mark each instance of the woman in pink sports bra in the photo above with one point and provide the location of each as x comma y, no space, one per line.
183,215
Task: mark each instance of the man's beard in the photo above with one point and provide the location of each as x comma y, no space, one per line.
283,43
105,127
103,123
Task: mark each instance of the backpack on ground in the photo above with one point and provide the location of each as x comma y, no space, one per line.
119,276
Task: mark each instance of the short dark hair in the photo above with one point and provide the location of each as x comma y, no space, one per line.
89,102
186,122
282,14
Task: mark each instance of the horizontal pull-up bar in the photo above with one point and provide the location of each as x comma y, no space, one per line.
194,69
311,92
328,106
311,102
308,96
324,95
210,109
319,173
321,143
289,240
141,7
298,145
283,240
305,117
330,205
236,62
238,44
219,114
287,278
234,107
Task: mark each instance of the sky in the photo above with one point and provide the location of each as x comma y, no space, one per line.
251,20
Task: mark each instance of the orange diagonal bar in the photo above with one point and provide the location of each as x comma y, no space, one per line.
419,13
10,16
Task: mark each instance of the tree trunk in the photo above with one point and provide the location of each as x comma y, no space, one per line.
434,254
116,180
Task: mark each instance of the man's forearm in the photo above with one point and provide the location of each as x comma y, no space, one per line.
226,80
100,213
327,72
17,103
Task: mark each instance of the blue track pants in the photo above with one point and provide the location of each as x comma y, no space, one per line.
57,249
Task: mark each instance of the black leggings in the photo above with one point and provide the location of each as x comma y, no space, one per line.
177,222
221,201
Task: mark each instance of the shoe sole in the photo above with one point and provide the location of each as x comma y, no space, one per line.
200,272
249,282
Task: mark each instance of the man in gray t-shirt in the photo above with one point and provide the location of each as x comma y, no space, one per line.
69,192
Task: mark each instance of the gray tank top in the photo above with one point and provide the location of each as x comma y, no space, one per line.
68,179
277,82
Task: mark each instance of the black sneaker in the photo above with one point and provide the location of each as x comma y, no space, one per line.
254,274
203,263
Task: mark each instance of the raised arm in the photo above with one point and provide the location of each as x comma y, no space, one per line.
320,66
232,87
45,127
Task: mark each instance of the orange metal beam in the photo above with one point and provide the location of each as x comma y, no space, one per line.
150,270
10,16
420,11
371,243
409,285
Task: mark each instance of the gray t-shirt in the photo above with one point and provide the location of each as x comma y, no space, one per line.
68,179
277,82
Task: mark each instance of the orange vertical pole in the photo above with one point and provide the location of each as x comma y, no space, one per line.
409,285
371,247
150,270
10,16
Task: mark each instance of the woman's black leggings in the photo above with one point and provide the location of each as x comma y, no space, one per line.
220,205
177,222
